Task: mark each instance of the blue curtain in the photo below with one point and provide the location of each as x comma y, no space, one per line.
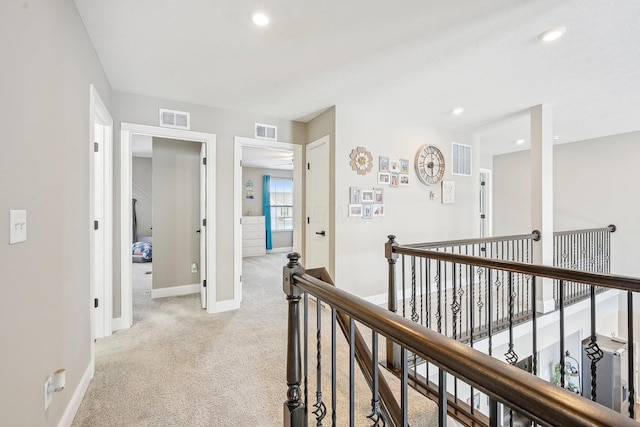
266,207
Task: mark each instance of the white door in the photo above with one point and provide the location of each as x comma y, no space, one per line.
317,205
203,228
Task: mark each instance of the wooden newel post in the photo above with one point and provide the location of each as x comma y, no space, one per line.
295,411
393,349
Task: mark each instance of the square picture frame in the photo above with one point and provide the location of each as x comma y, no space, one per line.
367,210
383,165
354,195
367,196
384,178
394,166
378,210
355,210
378,195
404,179
404,166
395,180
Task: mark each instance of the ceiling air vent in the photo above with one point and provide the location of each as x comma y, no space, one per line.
461,163
175,119
266,132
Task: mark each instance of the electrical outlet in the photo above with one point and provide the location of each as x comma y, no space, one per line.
194,267
47,395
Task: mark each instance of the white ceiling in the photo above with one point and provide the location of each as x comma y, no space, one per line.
413,59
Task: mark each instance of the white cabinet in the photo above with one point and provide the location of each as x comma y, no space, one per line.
253,236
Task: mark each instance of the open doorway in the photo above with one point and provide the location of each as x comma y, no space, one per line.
205,148
268,200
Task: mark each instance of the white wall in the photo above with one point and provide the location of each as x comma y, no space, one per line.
361,267
48,63
594,186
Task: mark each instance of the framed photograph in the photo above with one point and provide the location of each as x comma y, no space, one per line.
367,196
475,402
354,195
355,210
378,195
367,210
394,166
404,179
384,164
384,178
448,191
378,210
404,166
395,180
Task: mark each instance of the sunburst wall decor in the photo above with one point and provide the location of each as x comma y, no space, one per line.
361,160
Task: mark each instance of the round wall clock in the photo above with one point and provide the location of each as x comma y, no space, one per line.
429,164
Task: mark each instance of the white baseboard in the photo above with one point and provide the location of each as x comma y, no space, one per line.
175,291
78,394
278,250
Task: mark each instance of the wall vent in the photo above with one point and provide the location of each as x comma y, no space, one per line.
266,131
461,155
175,119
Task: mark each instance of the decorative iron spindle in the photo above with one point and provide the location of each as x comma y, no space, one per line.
375,416
631,354
320,408
412,303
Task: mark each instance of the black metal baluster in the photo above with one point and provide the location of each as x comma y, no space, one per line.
375,414
631,367
534,326
562,361
404,297
442,398
439,296
404,388
412,302
510,355
490,312
334,365
320,408
306,350
594,353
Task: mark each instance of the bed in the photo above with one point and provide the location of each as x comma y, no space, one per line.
142,250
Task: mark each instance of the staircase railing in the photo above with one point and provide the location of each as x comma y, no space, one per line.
529,395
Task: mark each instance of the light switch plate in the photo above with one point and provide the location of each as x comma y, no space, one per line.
17,226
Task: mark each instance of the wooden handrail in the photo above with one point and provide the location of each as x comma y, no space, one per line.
624,283
534,235
537,399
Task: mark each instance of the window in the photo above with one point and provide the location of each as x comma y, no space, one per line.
281,194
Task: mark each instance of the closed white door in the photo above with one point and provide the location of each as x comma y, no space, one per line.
317,205
98,230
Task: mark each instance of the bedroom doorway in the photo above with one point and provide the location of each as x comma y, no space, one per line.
206,149
282,163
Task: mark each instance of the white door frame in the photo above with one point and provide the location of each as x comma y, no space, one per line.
101,251
239,143
126,227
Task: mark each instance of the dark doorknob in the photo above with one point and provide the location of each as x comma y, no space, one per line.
321,233
198,230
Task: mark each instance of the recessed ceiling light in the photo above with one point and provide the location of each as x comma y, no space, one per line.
457,111
556,137
260,19
519,141
553,34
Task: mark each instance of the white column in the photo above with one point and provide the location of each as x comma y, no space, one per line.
542,197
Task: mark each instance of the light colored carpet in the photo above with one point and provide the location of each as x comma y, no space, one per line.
179,366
